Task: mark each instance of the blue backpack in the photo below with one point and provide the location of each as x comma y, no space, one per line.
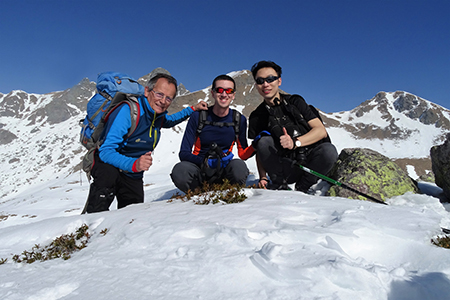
113,89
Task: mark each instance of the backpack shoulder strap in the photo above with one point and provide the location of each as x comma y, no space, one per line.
294,109
294,112
135,111
201,121
204,114
236,120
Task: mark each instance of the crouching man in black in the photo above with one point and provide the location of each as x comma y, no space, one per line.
286,130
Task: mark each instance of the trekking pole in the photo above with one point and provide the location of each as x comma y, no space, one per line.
340,184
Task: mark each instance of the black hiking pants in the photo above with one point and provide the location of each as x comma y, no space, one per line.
188,176
281,169
110,182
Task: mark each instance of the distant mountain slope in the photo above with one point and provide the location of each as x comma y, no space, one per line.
39,133
397,124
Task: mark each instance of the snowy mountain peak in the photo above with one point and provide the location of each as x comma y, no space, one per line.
409,105
403,124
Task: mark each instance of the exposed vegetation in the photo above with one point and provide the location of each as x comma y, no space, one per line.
224,193
61,247
443,242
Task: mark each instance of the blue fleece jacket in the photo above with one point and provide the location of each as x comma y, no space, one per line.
122,152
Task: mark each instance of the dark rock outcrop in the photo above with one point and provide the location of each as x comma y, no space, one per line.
440,161
6,137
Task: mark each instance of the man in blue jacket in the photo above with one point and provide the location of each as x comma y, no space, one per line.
120,162
207,155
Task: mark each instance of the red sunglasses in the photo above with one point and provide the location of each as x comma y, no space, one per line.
220,90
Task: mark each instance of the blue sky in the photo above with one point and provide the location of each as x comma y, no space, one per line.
336,54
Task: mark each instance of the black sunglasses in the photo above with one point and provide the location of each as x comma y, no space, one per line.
220,90
269,79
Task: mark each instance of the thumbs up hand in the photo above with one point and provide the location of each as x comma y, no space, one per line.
286,140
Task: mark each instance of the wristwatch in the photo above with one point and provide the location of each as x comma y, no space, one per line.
297,144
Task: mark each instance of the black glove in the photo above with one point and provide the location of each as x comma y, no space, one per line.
258,137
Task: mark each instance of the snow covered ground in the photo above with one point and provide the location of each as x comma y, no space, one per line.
274,245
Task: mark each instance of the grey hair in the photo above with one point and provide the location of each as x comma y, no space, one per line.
152,82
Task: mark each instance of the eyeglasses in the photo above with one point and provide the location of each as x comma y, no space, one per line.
269,79
161,96
220,90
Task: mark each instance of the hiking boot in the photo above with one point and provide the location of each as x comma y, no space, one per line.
279,187
308,190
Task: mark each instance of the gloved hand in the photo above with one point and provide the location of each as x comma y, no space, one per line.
259,136
212,162
226,159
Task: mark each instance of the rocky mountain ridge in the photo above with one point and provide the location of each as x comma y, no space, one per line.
389,106
39,133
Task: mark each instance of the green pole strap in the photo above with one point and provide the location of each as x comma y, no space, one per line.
339,184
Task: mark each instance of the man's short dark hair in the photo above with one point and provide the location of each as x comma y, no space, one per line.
223,77
265,64
152,82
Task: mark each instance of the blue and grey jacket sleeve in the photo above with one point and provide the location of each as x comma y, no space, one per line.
178,117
